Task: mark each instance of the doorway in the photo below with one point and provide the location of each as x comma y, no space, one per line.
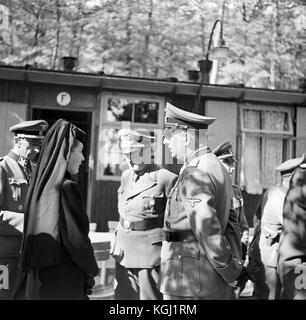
83,121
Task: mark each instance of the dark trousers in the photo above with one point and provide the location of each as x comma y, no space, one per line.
64,281
137,284
267,285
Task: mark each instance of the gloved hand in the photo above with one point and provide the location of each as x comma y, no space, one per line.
245,275
89,284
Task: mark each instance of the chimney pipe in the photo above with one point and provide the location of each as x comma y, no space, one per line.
193,75
302,84
69,63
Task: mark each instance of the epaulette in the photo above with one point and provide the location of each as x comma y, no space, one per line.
194,163
153,175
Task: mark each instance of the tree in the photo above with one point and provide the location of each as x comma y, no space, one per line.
161,39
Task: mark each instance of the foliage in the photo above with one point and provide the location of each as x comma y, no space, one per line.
160,39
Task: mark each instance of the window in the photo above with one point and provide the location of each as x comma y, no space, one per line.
126,111
131,109
266,139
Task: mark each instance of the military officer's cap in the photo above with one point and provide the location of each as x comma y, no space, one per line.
224,152
33,129
131,141
178,117
289,165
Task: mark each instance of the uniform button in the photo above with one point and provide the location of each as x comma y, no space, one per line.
127,210
179,257
167,224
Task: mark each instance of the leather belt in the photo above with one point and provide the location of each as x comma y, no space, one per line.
142,225
179,236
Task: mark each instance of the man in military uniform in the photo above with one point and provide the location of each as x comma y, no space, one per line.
197,259
264,249
226,156
15,172
142,198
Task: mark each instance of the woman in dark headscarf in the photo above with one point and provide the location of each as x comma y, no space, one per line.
292,249
56,254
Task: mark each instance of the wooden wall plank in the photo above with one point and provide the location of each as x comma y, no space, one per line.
225,126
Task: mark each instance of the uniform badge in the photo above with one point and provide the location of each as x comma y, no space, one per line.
236,203
194,201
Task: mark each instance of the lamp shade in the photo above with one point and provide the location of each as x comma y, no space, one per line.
220,53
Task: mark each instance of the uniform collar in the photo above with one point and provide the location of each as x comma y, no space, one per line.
148,172
145,182
12,154
201,151
196,154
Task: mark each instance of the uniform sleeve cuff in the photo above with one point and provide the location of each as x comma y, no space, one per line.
232,271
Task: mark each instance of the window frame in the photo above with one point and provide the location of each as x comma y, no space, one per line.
105,124
157,99
265,134
266,108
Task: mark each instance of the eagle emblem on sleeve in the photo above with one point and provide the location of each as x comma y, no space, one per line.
194,201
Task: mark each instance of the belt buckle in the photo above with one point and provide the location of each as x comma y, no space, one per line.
127,224
165,235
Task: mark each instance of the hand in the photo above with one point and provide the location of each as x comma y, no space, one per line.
245,275
89,284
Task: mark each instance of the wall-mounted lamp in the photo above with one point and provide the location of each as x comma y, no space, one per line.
220,53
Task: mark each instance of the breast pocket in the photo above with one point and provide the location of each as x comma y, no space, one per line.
154,204
18,187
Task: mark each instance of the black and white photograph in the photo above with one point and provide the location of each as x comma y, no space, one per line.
153,151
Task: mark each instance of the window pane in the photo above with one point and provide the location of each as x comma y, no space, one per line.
272,156
146,112
274,121
250,165
119,109
251,119
110,159
110,162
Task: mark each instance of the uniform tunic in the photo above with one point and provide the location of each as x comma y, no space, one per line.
137,252
200,203
237,204
264,249
13,190
292,248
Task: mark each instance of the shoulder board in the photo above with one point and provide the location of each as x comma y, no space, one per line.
194,163
153,175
